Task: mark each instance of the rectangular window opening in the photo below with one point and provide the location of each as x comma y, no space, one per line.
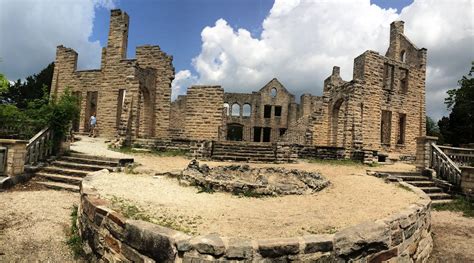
386,127
277,111
389,73
267,111
402,123
120,101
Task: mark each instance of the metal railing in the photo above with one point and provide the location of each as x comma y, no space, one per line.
39,147
445,168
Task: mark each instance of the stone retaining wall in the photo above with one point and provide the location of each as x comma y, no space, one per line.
402,237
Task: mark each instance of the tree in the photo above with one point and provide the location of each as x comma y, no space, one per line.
34,88
459,127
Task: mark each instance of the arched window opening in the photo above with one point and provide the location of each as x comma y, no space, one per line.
246,110
227,108
403,56
235,109
273,92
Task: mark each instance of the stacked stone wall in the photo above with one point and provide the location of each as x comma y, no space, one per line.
178,118
204,112
404,236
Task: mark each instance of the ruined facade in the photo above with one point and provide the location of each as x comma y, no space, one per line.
381,109
131,97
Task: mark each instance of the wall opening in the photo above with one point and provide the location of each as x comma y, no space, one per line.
235,109
120,102
91,107
336,126
234,132
402,123
267,111
273,92
403,80
389,73
227,108
386,127
282,131
277,111
246,110
403,55
257,134
267,134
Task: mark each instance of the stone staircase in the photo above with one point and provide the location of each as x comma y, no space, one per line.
427,185
243,152
66,172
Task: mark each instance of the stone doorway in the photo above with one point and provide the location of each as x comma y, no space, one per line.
267,134
234,132
91,107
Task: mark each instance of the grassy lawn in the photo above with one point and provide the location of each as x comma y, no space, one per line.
459,204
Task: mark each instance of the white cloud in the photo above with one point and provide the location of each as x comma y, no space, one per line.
303,39
32,29
182,80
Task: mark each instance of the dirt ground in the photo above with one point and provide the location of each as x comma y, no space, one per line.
34,224
351,198
453,237
34,221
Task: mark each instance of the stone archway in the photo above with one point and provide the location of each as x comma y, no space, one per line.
146,115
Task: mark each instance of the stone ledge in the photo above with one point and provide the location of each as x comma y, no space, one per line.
402,236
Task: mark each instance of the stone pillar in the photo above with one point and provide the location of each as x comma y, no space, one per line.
423,152
16,153
467,180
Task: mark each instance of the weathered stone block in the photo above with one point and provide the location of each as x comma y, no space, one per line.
277,247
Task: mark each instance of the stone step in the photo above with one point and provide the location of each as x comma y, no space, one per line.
242,159
439,196
244,154
442,201
60,186
63,171
431,189
89,161
422,183
241,149
397,173
409,178
68,179
121,161
81,166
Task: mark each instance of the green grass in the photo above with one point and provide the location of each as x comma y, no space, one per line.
459,204
74,240
205,189
346,162
132,211
163,153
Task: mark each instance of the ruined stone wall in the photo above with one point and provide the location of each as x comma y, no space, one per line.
204,112
132,95
404,236
153,57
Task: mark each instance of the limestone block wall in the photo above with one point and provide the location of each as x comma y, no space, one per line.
402,237
152,57
16,153
204,112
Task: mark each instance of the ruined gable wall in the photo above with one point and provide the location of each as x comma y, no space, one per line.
378,97
204,112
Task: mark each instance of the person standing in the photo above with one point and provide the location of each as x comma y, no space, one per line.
92,124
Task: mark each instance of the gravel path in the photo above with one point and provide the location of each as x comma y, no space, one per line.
351,198
34,224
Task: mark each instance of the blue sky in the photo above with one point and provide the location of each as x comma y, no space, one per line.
176,25
243,44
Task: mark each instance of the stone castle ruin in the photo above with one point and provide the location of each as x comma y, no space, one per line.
382,109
